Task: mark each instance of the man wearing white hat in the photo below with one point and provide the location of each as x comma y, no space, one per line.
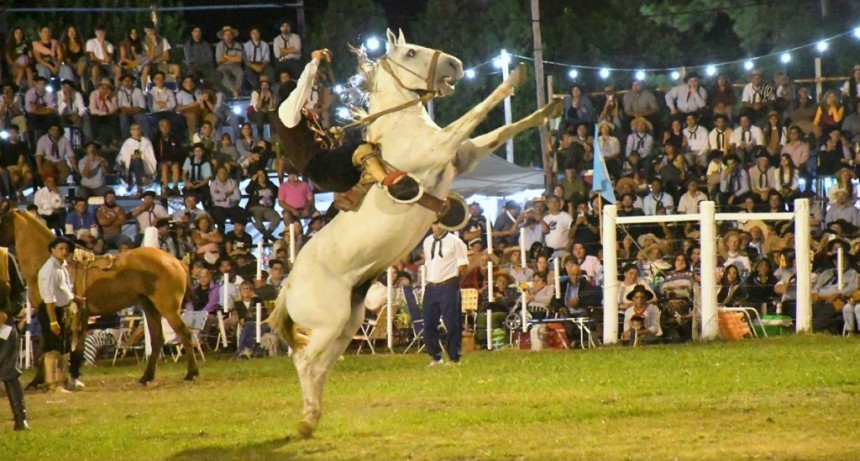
228,56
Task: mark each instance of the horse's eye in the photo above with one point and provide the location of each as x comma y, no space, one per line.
411,53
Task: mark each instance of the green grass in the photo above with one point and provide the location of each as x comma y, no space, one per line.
783,398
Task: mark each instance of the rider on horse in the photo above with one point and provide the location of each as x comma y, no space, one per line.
323,157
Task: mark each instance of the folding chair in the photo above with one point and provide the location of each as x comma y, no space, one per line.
195,321
416,316
469,306
371,330
123,338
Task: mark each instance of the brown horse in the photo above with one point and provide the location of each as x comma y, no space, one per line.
148,277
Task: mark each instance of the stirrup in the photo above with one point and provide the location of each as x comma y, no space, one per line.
454,214
403,187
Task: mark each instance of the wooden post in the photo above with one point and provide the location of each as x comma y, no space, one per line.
541,92
818,87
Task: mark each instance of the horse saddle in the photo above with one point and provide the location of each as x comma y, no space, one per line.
90,260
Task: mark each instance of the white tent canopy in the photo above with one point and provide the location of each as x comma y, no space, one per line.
496,177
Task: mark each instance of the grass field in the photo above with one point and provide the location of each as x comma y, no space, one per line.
783,398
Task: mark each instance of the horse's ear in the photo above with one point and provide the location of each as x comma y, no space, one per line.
392,40
401,40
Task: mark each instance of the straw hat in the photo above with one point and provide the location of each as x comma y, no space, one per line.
629,182
609,124
220,33
643,239
639,121
202,216
503,273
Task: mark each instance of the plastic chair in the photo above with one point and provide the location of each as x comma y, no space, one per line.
195,321
123,345
416,317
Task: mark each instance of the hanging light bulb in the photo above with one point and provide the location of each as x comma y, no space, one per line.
504,59
604,73
372,44
857,32
710,71
470,73
572,74
640,75
785,57
821,46
675,75
748,65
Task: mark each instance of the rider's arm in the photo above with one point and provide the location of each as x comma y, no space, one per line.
290,111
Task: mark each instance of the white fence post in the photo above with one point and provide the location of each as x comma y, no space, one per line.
802,265
389,326
610,276
708,242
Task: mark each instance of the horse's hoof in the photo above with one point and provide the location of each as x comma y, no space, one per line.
306,430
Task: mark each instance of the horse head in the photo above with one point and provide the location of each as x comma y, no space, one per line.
420,69
7,227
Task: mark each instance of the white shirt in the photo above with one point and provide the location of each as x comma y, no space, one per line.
559,227
147,153
162,95
148,218
453,255
290,41
130,98
290,111
55,285
48,201
376,297
95,48
714,142
753,137
689,204
257,52
697,139
649,205
76,107
753,95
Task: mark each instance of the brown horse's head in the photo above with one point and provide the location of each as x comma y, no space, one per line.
7,227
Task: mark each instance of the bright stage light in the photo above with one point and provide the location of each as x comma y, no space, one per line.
604,73
748,65
470,73
372,43
675,75
710,71
572,74
640,75
785,58
821,46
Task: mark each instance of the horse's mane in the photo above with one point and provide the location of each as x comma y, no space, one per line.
356,93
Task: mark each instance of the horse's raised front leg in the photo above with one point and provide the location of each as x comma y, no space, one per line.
463,127
472,151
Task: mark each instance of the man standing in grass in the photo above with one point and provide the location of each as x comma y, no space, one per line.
446,259
12,299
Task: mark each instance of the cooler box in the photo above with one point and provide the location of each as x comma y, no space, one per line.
497,322
775,325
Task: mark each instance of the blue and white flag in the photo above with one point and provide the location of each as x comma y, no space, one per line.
600,176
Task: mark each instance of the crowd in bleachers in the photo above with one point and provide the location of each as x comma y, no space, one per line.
89,125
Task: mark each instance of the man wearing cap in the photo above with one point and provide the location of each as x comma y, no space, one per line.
697,141
148,212
477,225
199,58
228,57
257,58
166,240
687,98
237,241
72,109
196,174
506,227
642,319
169,155
14,294
103,112
57,293
446,261
639,102
757,98
131,106
81,223
54,154
556,226
288,50
40,105
689,202
641,141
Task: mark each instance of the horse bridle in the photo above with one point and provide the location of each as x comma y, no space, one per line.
429,79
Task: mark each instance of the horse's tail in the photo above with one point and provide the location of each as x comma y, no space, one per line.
284,325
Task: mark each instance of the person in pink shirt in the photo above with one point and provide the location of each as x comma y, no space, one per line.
296,197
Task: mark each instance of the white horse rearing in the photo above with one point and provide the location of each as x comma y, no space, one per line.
321,306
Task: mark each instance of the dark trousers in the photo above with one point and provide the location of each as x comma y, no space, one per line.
9,357
443,300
